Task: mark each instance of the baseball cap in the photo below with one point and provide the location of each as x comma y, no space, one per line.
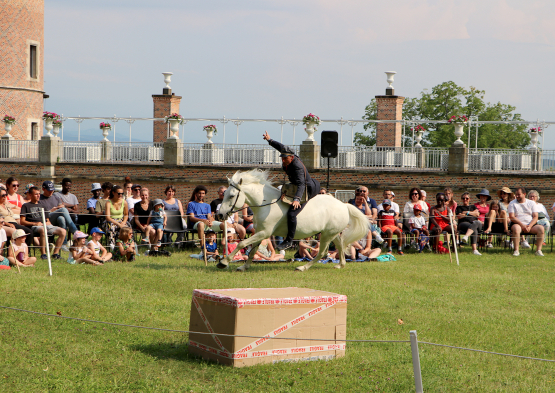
230,230
18,233
386,202
48,185
79,235
96,186
136,186
423,193
97,230
417,207
28,187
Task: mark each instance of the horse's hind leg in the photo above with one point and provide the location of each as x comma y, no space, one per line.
340,252
251,256
324,244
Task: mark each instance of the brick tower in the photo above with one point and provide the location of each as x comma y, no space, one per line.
389,107
164,104
22,65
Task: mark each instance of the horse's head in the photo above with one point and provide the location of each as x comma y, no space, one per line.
234,199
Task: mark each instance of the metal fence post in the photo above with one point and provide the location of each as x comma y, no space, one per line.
416,362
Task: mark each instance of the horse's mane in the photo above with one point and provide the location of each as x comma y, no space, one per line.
252,176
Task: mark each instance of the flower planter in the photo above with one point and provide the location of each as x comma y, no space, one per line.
105,132
310,130
8,128
209,134
174,128
458,133
418,139
48,126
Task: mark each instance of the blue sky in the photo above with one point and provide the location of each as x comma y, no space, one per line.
267,59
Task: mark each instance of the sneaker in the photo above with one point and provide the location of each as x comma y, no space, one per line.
56,256
476,252
379,239
400,252
464,239
525,244
65,248
539,253
516,254
282,252
489,245
159,244
43,256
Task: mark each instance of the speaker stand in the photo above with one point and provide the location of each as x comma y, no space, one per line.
328,185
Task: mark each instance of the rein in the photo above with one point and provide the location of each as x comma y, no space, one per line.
237,198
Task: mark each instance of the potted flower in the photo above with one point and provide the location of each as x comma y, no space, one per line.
311,121
48,118
210,131
458,122
8,122
105,127
534,133
419,131
175,119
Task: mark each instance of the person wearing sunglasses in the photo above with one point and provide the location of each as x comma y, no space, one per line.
116,214
12,186
363,190
415,198
10,222
469,225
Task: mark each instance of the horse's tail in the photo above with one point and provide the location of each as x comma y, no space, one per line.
358,226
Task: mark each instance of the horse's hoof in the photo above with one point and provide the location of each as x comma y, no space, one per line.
338,266
220,265
240,270
299,269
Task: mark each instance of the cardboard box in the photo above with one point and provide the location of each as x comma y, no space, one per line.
300,315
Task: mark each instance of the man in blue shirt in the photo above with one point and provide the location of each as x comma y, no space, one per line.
200,214
371,202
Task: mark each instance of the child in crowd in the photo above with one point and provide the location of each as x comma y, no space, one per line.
211,247
231,245
266,252
388,225
126,249
79,252
18,253
157,220
3,238
418,227
99,253
308,248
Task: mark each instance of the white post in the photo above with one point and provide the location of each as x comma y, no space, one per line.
225,237
453,232
416,362
62,119
45,230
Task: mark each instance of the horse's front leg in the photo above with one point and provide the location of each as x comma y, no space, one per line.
249,260
254,239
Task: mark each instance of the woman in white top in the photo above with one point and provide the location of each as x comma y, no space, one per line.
415,198
543,215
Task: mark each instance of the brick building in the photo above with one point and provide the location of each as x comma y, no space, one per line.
22,65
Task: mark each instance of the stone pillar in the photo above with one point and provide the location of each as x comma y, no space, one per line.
106,154
536,159
389,107
458,159
420,157
164,105
310,154
49,154
173,152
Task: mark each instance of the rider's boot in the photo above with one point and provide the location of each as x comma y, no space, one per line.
285,244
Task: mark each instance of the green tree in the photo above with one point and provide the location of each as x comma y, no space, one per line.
444,101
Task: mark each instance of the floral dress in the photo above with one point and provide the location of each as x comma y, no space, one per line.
125,245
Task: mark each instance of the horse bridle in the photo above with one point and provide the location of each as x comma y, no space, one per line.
237,198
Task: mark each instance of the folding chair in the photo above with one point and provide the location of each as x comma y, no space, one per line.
175,224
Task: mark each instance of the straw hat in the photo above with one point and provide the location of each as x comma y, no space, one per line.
18,233
507,191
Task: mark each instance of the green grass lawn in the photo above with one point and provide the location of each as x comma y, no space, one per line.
495,302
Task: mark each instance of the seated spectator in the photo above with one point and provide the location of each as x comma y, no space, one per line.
126,249
423,196
171,203
390,195
200,214
31,217
361,204
308,248
415,199
505,197
68,199
450,202
218,201
439,222
323,191
142,213
469,224
523,214
418,227
10,222
58,214
247,219
132,200
127,188
387,219
483,206
116,214
363,248
266,252
26,193
99,253
543,216
90,218
157,220
12,186
100,208
373,213
79,253
233,222
18,252
231,245
495,223
211,247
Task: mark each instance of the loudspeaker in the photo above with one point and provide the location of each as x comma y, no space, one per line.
328,144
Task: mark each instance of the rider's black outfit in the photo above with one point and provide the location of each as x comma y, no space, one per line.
297,174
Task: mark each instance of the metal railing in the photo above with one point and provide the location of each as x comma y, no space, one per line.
18,150
513,160
138,152
223,154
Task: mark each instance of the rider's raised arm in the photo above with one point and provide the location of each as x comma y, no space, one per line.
276,145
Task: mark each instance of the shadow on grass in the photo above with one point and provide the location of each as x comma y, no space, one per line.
175,351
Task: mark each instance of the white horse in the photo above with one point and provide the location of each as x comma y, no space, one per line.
322,214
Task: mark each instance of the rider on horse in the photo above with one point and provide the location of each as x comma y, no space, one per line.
297,174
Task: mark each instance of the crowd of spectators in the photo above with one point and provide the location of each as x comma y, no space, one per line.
116,218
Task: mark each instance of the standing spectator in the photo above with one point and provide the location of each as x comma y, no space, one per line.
439,222
157,220
116,214
200,215
12,186
91,219
543,215
132,200
450,202
31,217
11,223
415,199
171,203
218,201
142,212
363,190
483,206
523,214
68,199
469,224
100,208
58,214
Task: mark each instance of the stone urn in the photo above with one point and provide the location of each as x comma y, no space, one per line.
534,140
310,130
418,138
458,133
8,128
48,126
209,134
55,129
174,128
105,132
